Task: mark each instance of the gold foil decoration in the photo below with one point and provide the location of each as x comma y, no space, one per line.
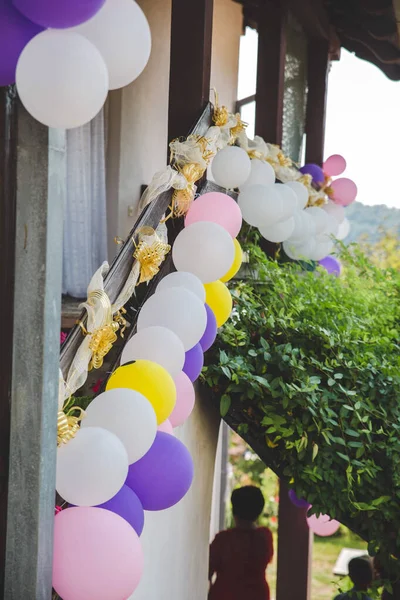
101,342
150,256
182,199
221,113
122,322
102,338
284,161
67,425
238,129
305,180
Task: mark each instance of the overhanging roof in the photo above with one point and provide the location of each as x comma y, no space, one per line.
369,28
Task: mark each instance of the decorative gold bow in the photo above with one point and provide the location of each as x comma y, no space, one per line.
102,338
68,425
150,255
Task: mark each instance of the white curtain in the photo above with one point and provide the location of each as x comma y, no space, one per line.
85,218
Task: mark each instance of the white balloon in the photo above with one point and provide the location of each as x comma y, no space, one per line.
279,232
186,280
128,415
301,192
344,230
321,218
176,309
304,227
289,200
157,344
335,210
262,173
231,167
331,229
62,79
322,248
91,468
204,249
121,33
261,205
301,251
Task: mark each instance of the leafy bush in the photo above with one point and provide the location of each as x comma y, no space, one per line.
307,371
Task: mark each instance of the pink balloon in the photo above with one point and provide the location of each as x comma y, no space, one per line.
218,208
166,427
334,165
185,398
323,525
97,554
344,191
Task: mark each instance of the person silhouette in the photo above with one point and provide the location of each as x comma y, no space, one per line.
361,574
239,556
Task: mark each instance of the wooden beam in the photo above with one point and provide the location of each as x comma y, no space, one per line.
8,150
318,68
272,25
190,70
294,550
313,17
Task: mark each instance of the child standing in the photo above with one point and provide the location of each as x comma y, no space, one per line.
239,556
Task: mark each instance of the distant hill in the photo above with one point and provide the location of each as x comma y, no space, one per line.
367,221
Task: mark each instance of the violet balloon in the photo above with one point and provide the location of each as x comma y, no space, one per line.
59,14
164,475
344,191
299,502
332,265
127,505
15,32
194,362
334,165
210,333
315,171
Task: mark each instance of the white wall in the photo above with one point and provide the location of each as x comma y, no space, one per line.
138,114
175,542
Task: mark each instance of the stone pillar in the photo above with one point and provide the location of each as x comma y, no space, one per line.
40,189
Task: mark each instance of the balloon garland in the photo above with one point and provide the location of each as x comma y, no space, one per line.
64,56
121,457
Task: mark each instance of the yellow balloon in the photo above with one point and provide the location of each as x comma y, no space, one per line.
152,381
237,262
219,300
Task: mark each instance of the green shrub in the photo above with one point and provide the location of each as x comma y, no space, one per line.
307,371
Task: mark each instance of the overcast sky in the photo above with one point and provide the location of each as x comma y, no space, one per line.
363,121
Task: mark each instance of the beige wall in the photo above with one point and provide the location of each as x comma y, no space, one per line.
225,51
137,115
175,542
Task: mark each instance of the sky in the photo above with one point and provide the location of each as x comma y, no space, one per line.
363,121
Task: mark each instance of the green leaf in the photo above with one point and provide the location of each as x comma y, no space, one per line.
225,404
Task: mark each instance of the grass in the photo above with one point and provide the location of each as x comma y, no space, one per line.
324,585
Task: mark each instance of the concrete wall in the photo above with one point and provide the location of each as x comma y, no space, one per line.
137,115
175,542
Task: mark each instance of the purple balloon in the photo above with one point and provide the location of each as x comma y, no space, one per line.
332,265
58,14
164,475
315,171
194,362
211,330
15,33
299,502
128,506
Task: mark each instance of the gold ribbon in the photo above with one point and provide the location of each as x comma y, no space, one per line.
68,425
221,114
151,255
